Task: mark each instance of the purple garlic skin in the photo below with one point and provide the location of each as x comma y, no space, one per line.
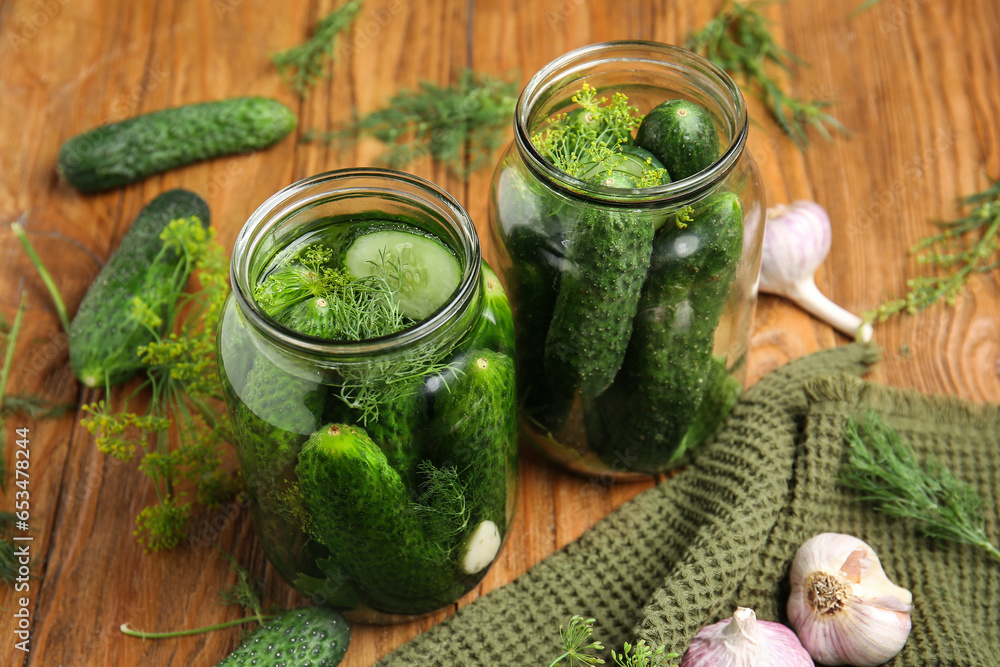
743,641
796,242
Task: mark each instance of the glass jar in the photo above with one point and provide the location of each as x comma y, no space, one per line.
632,307
382,473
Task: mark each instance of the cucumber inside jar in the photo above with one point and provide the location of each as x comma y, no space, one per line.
397,516
614,334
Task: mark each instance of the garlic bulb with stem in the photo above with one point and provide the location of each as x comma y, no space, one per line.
843,606
743,641
796,241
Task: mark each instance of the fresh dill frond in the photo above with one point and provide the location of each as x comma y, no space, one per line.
739,41
587,138
301,66
460,125
442,508
885,470
356,308
245,592
967,246
577,644
10,333
642,655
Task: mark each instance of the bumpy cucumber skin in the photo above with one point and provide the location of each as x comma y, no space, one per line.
278,411
599,290
313,317
668,366
682,135
475,430
399,429
359,507
120,153
103,336
317,636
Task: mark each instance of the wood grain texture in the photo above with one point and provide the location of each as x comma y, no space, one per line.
915,81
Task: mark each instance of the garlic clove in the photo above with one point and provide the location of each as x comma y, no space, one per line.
797,240
843,606
743,641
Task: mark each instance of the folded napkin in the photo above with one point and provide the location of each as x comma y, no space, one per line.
722,533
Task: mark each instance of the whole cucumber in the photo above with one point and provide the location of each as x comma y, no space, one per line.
358,506
317,636
668,366
682,135
103,336
601,280
130,150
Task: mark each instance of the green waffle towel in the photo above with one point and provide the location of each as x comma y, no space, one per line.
722,533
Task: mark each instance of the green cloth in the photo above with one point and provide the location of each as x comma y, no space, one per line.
722,533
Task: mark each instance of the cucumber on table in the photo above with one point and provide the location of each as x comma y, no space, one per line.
103,336
127,151
682,135
316,636
422,271
601,280
358,506
667,369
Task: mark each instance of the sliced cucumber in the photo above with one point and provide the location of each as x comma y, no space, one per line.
422,270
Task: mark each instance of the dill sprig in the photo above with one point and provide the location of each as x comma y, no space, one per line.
301,66
885,470
245,592
577,644
967,246
739,40
182,380
442,508
587,139
459,125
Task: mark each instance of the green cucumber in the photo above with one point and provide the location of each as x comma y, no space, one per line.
629,169
682,135
474,429
668,366
422,270
103,336
313,317
398,429
130,150
494,329
316,636
277,413
599,289
358,506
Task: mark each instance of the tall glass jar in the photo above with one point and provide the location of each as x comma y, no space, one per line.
382,473
632,307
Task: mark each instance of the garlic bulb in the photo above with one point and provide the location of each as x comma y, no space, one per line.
796,241
743,641
843,606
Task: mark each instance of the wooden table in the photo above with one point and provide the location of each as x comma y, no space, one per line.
916,81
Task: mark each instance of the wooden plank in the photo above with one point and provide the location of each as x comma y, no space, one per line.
914,81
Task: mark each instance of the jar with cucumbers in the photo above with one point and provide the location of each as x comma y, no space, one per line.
627,220
367,356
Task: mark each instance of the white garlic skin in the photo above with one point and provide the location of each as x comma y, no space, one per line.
796,241
743,641
866,623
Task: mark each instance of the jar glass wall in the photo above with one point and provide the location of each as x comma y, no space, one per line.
632,306
382,472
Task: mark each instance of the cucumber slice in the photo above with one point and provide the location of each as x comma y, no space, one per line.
427,274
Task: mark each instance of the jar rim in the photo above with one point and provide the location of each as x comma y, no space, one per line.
354,181
661,54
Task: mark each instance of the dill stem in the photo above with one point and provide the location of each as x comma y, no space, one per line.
260,618
15,330
50,284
